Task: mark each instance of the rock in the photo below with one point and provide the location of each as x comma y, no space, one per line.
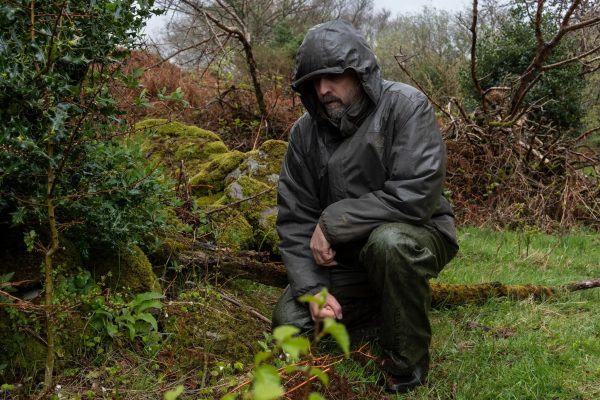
170,143
126,268
219,177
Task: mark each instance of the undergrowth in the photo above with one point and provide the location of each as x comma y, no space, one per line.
211,329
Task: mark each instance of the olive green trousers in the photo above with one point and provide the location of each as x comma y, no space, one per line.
383,283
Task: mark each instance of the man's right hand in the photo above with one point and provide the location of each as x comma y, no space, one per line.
331,309
321,249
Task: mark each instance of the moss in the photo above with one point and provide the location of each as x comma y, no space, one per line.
260,211
126,268
212,329
210,200
267,237
163,127
231,230
216,148
263,164
212,175
171,143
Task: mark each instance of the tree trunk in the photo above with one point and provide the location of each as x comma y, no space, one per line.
49,272
260,98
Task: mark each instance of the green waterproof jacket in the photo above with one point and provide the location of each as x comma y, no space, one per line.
384,162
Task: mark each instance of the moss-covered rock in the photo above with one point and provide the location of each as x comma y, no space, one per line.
127,268
259,209
262,164
170,143
211,178
220,177
232,230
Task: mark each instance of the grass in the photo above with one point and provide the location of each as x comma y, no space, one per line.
507,349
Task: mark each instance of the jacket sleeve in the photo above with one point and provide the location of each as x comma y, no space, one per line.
415,164
297,218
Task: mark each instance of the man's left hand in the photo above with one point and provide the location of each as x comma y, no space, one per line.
321,249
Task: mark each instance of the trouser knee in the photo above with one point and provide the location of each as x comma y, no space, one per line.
289,311
401,249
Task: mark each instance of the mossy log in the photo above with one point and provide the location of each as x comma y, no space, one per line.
256,267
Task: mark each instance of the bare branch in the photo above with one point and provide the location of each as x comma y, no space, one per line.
572,59
400,61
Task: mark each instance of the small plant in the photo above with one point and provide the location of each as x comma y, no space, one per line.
288,350
133,317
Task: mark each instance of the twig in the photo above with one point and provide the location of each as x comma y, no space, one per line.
251,310
235,203
400,59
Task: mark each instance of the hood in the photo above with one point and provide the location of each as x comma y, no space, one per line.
332,48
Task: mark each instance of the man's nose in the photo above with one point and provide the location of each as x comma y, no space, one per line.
322,86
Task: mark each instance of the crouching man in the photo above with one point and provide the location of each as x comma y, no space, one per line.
361,210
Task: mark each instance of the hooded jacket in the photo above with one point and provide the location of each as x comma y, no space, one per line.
385,161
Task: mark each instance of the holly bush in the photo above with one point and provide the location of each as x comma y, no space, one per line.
62,135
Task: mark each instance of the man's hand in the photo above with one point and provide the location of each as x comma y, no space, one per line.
331,309
321,249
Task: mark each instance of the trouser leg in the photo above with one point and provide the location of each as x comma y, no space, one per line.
399,259
290,311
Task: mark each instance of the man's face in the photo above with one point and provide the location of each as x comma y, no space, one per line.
336,92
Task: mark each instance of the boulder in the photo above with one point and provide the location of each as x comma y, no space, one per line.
236,189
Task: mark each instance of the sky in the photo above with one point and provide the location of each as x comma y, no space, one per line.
412,6
156,24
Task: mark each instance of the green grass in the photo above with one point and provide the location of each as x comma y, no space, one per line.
506,349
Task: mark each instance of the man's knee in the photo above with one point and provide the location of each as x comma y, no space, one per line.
288,311
400,246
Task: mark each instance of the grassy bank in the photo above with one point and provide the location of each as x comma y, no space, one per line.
507,349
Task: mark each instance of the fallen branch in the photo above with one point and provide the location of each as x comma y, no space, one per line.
443,294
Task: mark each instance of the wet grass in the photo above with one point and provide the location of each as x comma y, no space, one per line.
506,349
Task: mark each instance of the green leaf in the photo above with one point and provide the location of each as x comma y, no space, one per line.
267,384
173,393
283,332
146,300
262,356
146,296
296,346
320,374
315,396
318,299
125,320
6,277
229,396
149,318
111,329
339,333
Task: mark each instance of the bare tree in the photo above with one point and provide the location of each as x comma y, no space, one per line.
211,28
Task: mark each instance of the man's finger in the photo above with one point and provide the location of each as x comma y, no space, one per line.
335,306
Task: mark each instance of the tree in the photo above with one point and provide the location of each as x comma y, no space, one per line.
432,48
536,57
208,27
204,31
64,165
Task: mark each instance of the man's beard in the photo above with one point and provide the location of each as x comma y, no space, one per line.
334,108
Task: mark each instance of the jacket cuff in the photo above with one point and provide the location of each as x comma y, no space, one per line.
311,290
324,229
